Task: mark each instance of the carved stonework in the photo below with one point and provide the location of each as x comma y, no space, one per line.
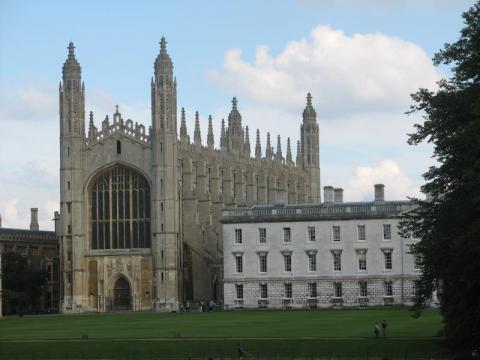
118,265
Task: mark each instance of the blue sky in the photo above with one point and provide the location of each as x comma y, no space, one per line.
117,43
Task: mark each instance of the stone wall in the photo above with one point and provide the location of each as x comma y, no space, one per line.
402,293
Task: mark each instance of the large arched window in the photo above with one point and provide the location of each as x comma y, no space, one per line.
120,210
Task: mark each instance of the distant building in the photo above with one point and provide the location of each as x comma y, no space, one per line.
329,254
41,248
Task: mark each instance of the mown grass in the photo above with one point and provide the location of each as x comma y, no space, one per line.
306,333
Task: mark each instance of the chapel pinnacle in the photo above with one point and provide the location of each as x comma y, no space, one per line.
163,44
71,50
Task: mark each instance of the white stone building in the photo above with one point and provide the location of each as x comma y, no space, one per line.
329,254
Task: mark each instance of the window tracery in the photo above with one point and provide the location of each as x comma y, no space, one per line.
120,210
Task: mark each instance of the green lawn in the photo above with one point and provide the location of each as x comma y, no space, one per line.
263,333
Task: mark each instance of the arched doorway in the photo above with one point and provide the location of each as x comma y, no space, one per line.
122,298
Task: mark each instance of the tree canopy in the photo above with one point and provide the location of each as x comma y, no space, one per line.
22,285
448,224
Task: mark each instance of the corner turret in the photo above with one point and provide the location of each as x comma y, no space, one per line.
72,97
72,143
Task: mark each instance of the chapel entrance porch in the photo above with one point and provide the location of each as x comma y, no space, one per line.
121,299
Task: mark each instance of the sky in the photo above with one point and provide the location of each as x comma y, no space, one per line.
360,59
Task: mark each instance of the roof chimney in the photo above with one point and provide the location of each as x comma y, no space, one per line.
34,219
379,193
328,194
338,195
56,220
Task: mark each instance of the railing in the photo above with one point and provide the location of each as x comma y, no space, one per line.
322,210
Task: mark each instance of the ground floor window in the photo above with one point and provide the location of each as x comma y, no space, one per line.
287,287
337,289
263,291
239,291
363,288
388,288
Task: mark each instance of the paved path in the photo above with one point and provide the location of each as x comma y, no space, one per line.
222,338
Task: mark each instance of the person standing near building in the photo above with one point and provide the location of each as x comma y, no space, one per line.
384,328
376,329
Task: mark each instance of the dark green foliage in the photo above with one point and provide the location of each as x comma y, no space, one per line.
22,286
448,226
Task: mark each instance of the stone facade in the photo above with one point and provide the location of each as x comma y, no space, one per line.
362,237
140,205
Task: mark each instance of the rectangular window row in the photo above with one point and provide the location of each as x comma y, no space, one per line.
312,261
311,234
312,290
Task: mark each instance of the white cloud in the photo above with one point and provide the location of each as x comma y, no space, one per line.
397,185
346,74
8,210
382,4
361,86
37,102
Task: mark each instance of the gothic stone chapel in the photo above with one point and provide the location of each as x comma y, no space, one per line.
140,206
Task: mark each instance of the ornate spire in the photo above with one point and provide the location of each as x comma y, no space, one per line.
246,145
309,112
163,63
183,128
258,147
210,138
289,152
197,138
278,155
268,150
223,137
298,161
71,67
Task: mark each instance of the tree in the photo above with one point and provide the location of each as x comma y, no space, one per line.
22,286
448,225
